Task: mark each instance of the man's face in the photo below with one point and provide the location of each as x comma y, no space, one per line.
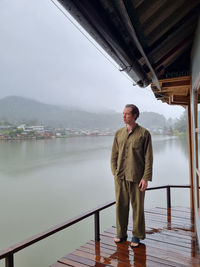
128,117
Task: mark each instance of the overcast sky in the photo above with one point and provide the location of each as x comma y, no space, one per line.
43,56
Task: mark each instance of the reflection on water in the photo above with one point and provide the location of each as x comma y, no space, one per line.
46,182
160,143
18,157
131,257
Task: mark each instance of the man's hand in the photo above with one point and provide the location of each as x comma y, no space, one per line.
143,184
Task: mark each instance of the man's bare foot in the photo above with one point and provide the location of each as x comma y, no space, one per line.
118,239
135,242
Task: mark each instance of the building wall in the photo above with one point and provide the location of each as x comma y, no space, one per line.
195,57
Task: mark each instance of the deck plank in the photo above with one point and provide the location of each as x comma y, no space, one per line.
123,253
58,264
163,238
79,261
177,254
170,241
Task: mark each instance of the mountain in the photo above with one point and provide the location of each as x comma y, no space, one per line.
17,110
152,120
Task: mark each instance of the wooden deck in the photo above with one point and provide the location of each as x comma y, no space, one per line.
170,241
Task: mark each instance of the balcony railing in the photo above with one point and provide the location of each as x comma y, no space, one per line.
8,254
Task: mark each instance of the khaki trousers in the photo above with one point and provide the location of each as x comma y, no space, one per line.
126,192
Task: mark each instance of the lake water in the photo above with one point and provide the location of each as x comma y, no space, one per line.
46,182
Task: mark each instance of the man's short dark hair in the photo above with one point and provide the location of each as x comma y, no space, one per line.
134,109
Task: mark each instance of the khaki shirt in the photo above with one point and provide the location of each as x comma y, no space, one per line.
132,155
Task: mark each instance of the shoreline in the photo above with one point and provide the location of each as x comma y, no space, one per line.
72,136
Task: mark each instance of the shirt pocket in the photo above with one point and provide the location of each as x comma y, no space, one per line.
137,144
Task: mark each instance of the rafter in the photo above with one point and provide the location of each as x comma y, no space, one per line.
161,15
171,21
173,39
172,55
148,9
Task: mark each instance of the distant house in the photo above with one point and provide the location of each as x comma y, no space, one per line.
6,127
38,129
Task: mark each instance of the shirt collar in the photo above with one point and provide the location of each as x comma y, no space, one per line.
136,125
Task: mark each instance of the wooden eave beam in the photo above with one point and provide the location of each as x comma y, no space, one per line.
179,104
175,79
161,97
181,88
177,98
173,99
173,82
174,91
182,101
126,20
134,18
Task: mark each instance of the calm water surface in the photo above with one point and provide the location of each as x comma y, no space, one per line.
46,182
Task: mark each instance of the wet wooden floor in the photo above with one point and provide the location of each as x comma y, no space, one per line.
170,241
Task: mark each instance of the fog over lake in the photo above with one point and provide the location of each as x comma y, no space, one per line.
46,182
50,60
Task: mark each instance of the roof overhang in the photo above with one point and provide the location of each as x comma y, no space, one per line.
174,91
150,40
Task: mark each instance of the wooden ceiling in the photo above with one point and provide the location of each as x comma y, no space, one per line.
151,40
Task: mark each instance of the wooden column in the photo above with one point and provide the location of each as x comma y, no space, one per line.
196,190
190,149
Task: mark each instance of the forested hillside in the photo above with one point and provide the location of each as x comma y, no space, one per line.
17,110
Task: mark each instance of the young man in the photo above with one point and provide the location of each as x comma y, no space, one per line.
131,164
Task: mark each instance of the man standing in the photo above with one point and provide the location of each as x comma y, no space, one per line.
131,164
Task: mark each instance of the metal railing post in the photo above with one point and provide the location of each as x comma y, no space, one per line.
9,261
168,197
97,226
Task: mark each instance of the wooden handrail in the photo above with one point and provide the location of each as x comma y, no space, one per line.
8,253
165,186
21,245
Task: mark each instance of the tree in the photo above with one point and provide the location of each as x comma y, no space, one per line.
181,123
